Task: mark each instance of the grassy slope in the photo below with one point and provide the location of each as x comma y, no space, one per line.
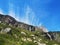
16,37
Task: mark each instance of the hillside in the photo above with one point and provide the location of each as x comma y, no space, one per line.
18,36
18,33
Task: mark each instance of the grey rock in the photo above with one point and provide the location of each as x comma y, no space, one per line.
6,30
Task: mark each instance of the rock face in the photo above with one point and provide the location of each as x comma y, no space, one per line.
55,36
12,22
6,30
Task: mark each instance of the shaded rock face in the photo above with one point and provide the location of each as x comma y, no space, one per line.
49,36
12,22
55,36
7,19
52,36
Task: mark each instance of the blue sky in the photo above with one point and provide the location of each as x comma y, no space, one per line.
34,12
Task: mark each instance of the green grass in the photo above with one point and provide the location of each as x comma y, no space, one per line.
14,37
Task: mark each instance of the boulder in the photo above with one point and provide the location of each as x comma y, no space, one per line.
6,30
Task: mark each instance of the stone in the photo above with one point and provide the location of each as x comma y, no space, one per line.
24,39
23,33
35,41
32,35
6,30
55,44
41,43
29,39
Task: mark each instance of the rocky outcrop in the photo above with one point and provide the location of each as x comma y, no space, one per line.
55,36
6,30
12,22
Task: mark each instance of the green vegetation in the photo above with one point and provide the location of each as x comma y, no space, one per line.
18,36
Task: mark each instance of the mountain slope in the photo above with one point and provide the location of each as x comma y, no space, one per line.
19,36
13,32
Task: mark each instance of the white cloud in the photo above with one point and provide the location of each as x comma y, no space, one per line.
17,14
1,11
11,10
29,16
40,24
14,11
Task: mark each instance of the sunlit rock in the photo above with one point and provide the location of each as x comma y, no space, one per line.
24,39
32,35
39,39
41,43
23,33
35,41
29,39
6,30
55,44
34,38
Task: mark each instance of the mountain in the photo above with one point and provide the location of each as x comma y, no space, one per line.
12,22
13,32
